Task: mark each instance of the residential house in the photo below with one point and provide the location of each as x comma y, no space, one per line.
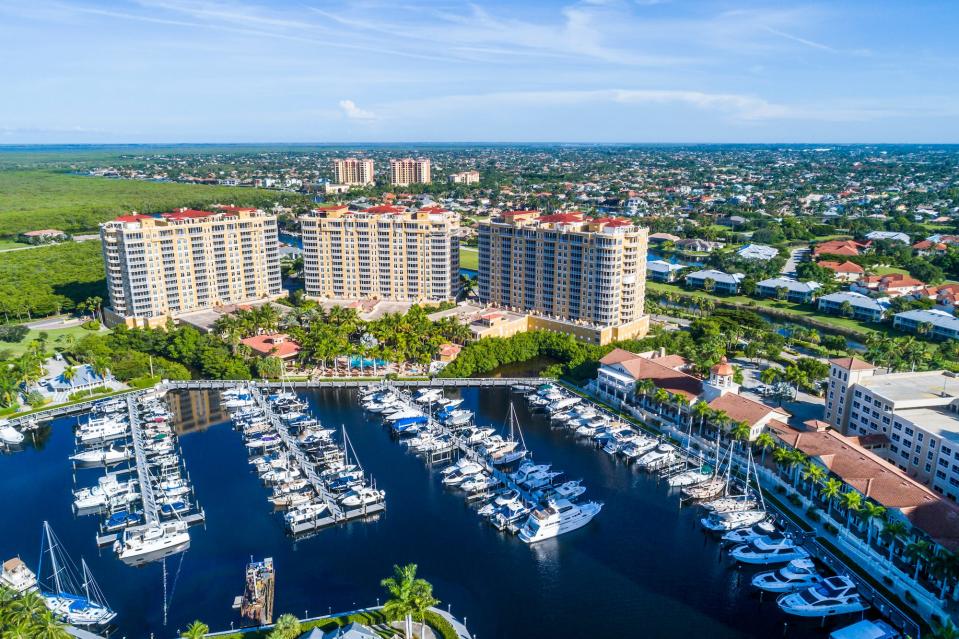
929,322
846,271
44,236
273,345
861,307
659,238
847,248
699,245
796,291
890,285
892,236
722,282
928,247
757,252
662,271
945,296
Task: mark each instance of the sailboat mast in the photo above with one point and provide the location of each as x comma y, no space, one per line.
53,556
86,578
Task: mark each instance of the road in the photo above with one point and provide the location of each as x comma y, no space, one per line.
795,257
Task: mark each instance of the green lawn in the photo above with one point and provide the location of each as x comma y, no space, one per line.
886,270
796,310
469,258
6,244
55,337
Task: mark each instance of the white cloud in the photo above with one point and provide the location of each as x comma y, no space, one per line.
353,112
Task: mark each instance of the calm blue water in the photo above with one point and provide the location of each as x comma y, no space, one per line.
641,569
672,259
365,362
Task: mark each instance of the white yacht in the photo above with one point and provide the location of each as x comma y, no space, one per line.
730,504
562,404
659,455
767,550
462,473
557,517
746,535
725,521
637,447
689,477
17,577
107,490
832,596
538,480
103,431
102,456
149,543
798,574
527,469
567,490
478,483
304,513
362,496
9,434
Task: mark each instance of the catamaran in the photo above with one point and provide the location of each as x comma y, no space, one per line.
156,541
62,593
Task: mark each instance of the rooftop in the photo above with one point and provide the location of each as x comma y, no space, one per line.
910,387
938,421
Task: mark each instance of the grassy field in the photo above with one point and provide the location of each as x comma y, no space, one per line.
55,337
40,280
37,199
469,258
796,310
6,244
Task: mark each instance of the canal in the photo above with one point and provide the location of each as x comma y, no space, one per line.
643,568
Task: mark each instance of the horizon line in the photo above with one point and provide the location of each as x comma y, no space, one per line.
16,145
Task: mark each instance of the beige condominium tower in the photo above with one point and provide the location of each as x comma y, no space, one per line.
353,171
384,252
410,171
570,273
161,266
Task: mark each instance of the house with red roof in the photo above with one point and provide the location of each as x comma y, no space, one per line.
273,345
845,271
840,247
890,285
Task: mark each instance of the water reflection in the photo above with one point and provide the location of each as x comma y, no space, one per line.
195,411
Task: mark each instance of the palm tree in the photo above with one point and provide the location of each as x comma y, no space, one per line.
918,552
197,630
846,309
423,600
830,490
947,631
680,402
402,589
661,397
45,626
287,627
27,608
814,474
741,432
701,410
894,531
871,512
945,566
69,372
764,442
851,501
709,285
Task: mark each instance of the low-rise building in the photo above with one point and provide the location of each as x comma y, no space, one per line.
713,280
662,271
43,236
893,236
839,247
889,285
759,252
795,291
273,345
464,177
856,305
844,271
928,322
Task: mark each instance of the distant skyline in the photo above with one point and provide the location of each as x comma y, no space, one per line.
192,71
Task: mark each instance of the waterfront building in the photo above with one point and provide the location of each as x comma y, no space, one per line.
274,345
663,271
406,171
570,273
384,252
464,177
160,266
720,281
620,371
930,322
860,306
796,291
915,415
353,171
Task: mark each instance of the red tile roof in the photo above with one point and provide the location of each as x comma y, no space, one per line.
562,218
852,363
845,267
135,217
385,209
278,345
743,409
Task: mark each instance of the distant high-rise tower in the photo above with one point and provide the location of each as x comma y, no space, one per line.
353,171
410,171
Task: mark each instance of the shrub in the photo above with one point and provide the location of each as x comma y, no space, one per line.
831,529
780,489
36,399
909,597
795,500
813,514
88,393
91,325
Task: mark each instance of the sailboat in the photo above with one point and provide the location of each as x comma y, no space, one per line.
63,595
513,451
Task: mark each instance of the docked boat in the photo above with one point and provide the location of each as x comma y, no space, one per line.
72,597
10,435
556,518
107,491
689,477
539,480
141,545
462,473
798,574
362,496
637,447
17,577
505,498
568,490
479,483
101,431
769,549
121,519
305,513
730,504
746,535
102,456
660,455
527,469
705,489
835,595
726,521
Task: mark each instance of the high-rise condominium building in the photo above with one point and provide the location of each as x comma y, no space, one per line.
160,266
353,171
410,171
573,274
384,252
464,177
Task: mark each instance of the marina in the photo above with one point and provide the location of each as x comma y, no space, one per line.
690,586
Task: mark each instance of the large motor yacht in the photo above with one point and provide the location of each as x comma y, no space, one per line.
557,517
798,574
833,596
141,545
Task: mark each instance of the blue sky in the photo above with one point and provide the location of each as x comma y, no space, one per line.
591,71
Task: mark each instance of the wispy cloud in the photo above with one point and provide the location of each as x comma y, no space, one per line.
353,112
